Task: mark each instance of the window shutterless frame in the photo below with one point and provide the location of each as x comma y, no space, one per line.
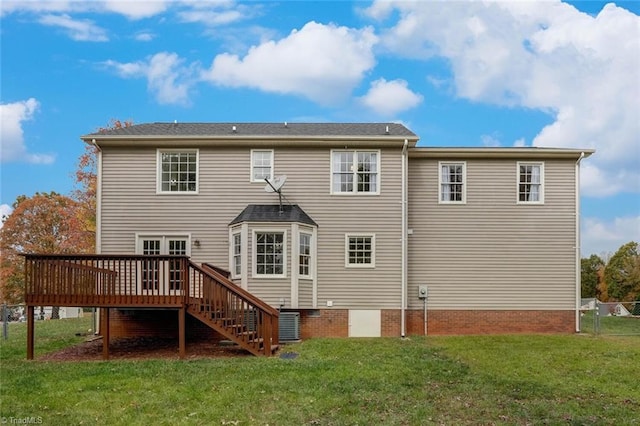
177,171
269,248
530,182
355,172
360,251
452,182
261,165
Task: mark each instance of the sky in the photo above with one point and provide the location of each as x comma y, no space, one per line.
457,73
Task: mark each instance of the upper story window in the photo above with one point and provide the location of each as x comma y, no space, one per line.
177,171
355,172
531,183
269,254
261,165
453,183
360,251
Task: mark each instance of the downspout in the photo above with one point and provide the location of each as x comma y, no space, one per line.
578,273
403,296
96,312
98,198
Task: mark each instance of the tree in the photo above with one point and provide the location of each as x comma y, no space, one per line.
591,275
86,178
622,273
44,223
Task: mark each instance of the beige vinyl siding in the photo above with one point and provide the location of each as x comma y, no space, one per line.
492,253
130,205
305,294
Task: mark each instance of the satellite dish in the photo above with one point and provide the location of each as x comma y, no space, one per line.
276,184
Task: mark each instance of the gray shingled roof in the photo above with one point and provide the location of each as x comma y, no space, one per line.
271,213
261,129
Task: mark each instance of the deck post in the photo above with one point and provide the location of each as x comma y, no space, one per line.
30,331
104,330
181,332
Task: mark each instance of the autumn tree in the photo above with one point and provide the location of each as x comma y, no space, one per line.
591,275
86,178
44,223
622,273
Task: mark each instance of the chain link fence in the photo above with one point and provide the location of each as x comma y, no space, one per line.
610,318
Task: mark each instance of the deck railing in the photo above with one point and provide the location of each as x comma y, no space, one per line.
106,280
231,310
139,281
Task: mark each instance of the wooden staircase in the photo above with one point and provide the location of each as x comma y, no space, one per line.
232,311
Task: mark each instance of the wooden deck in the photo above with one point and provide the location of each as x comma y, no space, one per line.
161,282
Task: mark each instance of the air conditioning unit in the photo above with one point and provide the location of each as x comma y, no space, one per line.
289,325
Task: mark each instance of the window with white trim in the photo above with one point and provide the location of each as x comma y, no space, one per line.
269,254
305,255
360,250
530,183
261,165
452,177
177,171
236,250
355,172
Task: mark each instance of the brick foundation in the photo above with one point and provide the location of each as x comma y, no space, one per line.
324,323
490,322
335,323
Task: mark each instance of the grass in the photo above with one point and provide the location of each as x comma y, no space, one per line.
533,379
610,325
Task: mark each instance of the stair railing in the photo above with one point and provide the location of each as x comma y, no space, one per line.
235,313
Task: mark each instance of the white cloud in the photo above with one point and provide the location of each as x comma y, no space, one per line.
130,9
12,144
138,9
167,77
321,62
5,211
606,237
144,36
582,70
490,140
520,142
79,30
390,97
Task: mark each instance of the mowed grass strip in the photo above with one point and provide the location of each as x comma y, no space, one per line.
532,379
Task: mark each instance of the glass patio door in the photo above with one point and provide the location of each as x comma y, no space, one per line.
156,277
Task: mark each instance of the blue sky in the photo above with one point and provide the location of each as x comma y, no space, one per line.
535,73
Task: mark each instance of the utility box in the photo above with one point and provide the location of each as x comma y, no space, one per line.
422,292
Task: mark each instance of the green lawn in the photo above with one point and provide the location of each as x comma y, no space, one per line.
610,325
534,379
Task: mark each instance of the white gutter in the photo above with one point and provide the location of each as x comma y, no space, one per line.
578,268
403,297
98,198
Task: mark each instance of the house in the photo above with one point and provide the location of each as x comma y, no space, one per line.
350,227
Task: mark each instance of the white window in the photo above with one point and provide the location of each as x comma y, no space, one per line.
305,255
261,165
177,171
236,250
531,183
453,183
269,254
355,172
360,251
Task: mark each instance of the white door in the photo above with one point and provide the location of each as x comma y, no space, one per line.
161,278
365,323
